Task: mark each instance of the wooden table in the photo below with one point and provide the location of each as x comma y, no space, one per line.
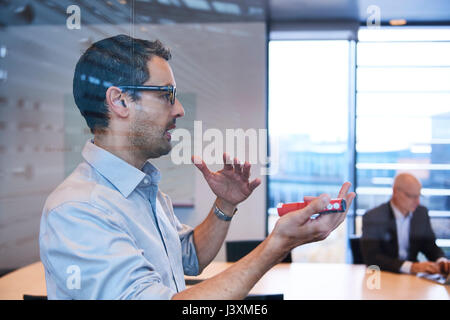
297,281
306,281
27,280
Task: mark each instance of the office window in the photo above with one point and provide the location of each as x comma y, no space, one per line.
308,121
403,118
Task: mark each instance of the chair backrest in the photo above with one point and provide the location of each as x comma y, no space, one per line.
33,297
278,296
235,250
355,245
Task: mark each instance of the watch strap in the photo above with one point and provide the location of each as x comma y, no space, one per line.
221,215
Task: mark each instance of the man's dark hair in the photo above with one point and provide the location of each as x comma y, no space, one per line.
119,60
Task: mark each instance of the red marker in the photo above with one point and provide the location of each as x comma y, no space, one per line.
335,205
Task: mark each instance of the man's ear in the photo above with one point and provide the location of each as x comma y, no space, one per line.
115,101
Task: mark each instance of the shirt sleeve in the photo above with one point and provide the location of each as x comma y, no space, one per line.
189,253
89,255
406,267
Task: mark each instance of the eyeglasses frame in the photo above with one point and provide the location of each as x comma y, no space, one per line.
171,89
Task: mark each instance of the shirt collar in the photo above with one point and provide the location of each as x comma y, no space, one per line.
397,213
118,172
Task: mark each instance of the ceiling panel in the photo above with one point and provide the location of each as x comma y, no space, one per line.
413,11
17,12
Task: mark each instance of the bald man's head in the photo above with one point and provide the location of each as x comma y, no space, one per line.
406,180
406,192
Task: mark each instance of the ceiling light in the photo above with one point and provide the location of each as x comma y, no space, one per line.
227,8
197,4
3,51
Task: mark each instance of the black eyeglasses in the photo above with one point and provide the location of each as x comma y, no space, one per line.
172,90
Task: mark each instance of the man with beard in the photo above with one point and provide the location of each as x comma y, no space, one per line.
107,232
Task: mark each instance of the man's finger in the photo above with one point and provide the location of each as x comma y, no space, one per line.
344,189
341,215
201,165
432,268
227,163
237,166
446,267
333,220
246,171
317,205
255,183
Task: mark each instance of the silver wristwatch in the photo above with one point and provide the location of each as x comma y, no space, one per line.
222,216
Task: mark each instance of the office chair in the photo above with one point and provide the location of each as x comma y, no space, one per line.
279,296
235,250
355,245
33,297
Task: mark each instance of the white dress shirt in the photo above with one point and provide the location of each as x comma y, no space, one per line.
403,225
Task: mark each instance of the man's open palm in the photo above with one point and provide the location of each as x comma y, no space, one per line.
232,182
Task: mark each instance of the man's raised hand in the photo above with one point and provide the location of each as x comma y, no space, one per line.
231,184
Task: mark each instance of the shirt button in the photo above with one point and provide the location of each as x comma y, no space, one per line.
146,181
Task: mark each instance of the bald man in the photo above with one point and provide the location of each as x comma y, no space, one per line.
396,231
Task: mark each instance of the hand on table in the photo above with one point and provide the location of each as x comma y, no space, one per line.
426,267
444,267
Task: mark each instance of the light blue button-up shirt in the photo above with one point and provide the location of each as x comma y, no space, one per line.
107,232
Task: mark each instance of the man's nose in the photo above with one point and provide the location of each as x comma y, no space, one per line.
178,109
